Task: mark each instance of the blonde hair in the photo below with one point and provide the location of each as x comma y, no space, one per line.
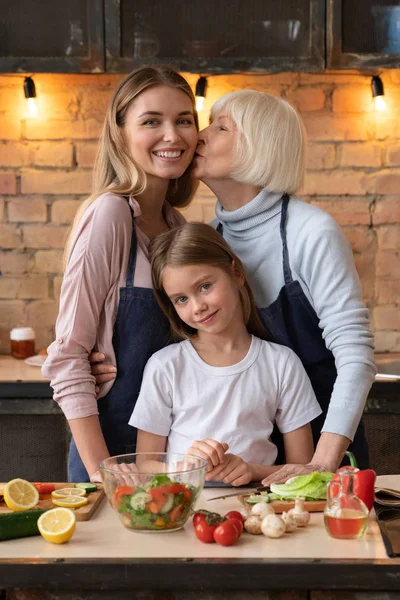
271,145
114,170
199,244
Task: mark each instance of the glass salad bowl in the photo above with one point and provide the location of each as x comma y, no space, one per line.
154,491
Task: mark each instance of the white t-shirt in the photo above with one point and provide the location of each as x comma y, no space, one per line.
186,399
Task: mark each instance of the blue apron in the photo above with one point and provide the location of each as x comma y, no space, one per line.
140,330
293,322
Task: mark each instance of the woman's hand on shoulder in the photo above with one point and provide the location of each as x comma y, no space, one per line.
233,470
102,372
292,470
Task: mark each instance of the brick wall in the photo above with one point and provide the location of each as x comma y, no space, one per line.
45,171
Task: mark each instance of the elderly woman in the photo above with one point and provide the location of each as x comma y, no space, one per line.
299,263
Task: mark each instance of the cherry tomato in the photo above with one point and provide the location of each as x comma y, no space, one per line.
205,532
227,533
122,490
197,517
235,514
238,524
44,488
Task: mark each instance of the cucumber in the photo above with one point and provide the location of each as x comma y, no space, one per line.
88,487
20,524
168,504
139,500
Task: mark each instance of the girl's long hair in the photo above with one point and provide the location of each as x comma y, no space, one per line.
199,244
114,169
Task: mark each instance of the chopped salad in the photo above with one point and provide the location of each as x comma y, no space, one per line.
162,503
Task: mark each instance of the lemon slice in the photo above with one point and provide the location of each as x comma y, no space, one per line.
20,495
70,501
64,492
57,525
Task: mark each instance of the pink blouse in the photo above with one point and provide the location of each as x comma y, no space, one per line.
95,272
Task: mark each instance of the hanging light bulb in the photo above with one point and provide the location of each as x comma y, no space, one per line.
30,95
378,93
201,89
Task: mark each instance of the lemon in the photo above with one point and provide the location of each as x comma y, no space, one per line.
57,525
64,492
70,501
20,495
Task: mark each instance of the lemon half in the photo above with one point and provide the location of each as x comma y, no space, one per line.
57,525
20,495
70,501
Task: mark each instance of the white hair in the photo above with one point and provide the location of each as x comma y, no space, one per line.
270,148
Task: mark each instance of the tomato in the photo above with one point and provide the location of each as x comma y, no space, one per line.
205,532
176,512
238,524
187,495
235,514
44,488
227,533
163,490
197,517
122,490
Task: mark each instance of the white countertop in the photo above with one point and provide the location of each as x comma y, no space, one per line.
104,537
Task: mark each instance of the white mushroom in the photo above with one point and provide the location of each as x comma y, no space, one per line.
290,521
253,525
272,526
301,516
262,509
245,512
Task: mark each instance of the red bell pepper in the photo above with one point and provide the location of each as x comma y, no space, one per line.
364,481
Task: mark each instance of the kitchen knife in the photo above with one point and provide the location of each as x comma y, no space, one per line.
247,492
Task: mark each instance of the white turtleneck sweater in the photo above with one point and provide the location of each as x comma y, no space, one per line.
321,260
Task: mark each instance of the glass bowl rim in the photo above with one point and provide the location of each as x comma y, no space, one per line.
153,473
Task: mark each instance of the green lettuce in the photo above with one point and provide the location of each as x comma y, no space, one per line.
312,487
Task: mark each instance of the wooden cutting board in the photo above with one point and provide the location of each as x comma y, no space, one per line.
281,506
83,513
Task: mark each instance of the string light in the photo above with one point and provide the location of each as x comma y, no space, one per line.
378,93
30,95
201,89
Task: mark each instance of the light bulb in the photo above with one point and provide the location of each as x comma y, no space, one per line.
199,103
33,111
380,103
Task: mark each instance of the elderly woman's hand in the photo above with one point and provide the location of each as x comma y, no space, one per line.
101,372
292,470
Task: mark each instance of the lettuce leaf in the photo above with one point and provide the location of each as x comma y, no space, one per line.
311,486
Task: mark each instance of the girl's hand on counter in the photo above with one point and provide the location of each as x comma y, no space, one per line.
233,470
292,470
102,372
211,450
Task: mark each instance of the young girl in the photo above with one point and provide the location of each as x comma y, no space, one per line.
225,385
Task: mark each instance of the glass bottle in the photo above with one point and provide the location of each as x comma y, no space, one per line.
345,515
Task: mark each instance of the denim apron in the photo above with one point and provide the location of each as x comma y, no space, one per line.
140,330
293,322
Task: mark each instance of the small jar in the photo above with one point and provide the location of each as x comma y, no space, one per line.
22,342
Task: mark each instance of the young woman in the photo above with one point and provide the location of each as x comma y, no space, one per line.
222,387
300,265
142,173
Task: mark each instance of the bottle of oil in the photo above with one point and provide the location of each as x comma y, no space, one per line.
345,515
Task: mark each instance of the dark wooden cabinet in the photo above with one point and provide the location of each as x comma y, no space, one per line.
216,36
56,36
363,34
